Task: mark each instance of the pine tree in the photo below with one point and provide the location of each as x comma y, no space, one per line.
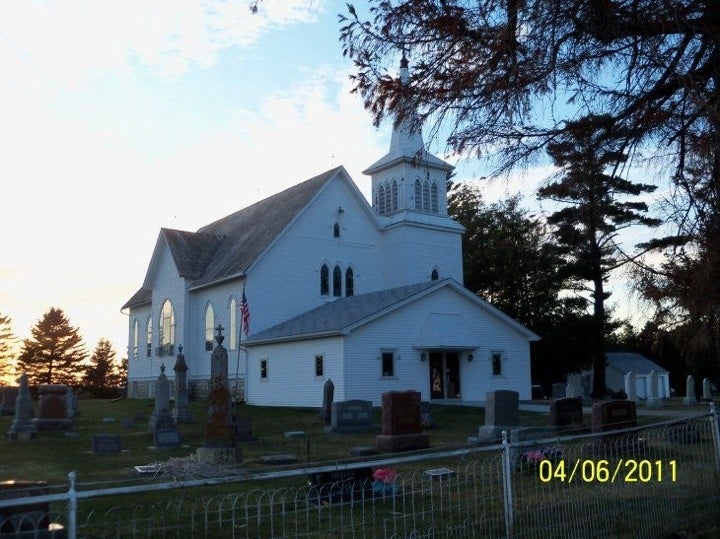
7,342
55,353
591,216
104,375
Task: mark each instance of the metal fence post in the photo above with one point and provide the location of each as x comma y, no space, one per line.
72,507
716,434
507,484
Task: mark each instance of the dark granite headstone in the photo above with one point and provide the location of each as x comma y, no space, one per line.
613,415
9,395
400,413
167,438
328,396
566,413
502,408
426,420
352,416
243,429
340,486
106,443
53,408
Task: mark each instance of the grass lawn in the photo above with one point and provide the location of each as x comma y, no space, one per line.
51,455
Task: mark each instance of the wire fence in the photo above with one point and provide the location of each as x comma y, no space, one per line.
640,482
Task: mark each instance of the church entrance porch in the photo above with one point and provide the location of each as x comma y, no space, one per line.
444,375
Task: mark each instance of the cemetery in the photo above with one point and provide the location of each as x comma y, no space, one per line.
146,442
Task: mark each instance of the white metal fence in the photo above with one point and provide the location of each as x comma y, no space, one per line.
642,482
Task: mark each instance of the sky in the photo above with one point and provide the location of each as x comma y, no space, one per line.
119,118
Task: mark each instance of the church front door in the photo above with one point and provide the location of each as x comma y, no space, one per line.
444,375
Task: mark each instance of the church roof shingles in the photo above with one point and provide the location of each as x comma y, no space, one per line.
228,247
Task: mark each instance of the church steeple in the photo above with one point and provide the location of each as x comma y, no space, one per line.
408,178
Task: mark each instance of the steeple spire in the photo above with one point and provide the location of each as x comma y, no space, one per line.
406,139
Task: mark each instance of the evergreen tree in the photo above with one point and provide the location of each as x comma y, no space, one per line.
7,344
591,216
55,353
104,376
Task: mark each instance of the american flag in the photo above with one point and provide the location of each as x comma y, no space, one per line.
245,313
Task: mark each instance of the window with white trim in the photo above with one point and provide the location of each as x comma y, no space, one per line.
496,361
387,360
148,337
319,365
209,327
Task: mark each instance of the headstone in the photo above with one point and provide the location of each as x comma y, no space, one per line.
162,400
586,386
614,415
9,394
22,427
690,398
167,438
401,429
352,416
340,486
106,443
567,413
707,390
181,411
502,411
52,408
630,387
328,396
502,408
71,403
571,391
242,427
558,390
652,397
219,445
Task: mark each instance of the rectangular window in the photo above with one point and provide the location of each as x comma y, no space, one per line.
496,359
263,368
388,364
319,365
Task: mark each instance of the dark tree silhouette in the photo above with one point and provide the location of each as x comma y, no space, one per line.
104,376
7,355
55,353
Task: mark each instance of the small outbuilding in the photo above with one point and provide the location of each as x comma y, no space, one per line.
621,363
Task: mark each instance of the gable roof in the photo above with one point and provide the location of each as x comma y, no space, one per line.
342,315
141,297
248,232
631,361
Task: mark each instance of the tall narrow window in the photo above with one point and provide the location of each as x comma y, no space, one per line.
233,324
388,364
381,200
337,281
135,339
166,338
434,198
319,367
324,280
263,368
394,196
426,197
434,276
209,327
336,230
418,195
388,199
349,282
148,337
496,359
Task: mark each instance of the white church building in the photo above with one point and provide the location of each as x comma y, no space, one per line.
367,295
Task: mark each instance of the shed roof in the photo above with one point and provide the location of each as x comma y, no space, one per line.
632,361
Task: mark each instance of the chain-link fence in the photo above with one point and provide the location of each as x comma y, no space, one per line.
642,482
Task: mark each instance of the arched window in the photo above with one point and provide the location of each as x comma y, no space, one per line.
135,339
394,196
337,281
324,280
381,200
426,197
388,199
434,276
434,198
166,338
349,282
209,327
336,230
148,337
233,324
418,195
